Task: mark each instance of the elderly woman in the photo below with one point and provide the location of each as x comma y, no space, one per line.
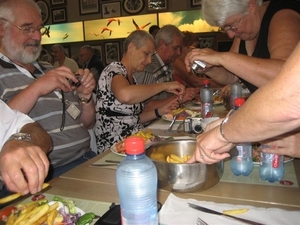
119,107
265,34
261,118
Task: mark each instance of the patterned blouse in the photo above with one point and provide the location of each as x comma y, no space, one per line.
114,120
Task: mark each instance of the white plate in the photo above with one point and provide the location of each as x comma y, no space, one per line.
170,120
114,150
78,210
215,103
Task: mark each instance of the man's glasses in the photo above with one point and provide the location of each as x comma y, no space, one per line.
28,30
233,27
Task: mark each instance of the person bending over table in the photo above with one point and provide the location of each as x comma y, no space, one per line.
179,71
23,148
265,34
168,40
119,107
273,110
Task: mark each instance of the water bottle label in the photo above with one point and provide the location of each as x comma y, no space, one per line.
276,161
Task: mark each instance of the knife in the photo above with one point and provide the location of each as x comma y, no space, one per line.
203,209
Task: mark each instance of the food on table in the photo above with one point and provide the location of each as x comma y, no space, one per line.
235,211
60,211
182,114
217,98
172,158
146,135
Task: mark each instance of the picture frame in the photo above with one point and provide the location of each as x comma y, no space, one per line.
196,3
98,51
44,10
111,9
88,7
112,52
157,5
59,15
58,2
133,7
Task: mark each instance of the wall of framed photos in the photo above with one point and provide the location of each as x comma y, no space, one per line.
106,23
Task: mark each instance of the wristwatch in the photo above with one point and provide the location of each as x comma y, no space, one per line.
85,100
20,137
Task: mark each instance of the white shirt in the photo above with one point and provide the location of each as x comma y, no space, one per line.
11,122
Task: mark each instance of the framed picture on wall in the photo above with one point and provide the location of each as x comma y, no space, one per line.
112,52
58,2
133,7
87,7
154,5
98,51
110,10
44,10
196,3
59,15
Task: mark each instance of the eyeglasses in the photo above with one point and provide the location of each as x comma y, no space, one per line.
84,54
28,30
233,27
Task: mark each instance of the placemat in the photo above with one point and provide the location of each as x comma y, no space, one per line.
253,178
228,176
110,156
99,208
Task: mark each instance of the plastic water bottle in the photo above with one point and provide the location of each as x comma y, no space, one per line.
243,162
137,185
271,166
235,92
206,96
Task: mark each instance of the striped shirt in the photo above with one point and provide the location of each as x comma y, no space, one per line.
69,144
155,72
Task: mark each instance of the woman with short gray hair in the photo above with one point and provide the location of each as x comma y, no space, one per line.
264,35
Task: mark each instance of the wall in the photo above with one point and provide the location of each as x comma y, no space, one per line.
73,14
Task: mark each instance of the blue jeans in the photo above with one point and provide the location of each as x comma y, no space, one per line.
56,172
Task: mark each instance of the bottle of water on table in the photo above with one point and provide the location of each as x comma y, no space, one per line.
137,185
235,92
206,97
242,164
271,166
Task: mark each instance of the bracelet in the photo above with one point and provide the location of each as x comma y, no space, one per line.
85,100
222,123
157,113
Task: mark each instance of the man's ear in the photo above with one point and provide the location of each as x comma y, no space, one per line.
2,29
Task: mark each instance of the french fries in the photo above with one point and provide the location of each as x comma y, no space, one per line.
172,158
145,135
34,213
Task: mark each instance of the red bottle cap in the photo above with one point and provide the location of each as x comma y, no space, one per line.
134,145
239,102
205,82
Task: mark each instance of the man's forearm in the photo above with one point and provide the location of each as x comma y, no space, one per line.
38,136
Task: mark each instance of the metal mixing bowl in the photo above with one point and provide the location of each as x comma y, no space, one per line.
182,177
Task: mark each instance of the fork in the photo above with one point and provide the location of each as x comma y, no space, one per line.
201,222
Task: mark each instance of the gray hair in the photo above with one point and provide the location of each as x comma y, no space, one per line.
88,48
7,8
216,12
138,38
167,34
57,46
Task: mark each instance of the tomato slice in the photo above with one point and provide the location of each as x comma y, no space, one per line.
5,213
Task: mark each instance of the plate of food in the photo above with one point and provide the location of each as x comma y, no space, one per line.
41,211
256,155
181,113
146,135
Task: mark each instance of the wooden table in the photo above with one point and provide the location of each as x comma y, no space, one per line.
99,183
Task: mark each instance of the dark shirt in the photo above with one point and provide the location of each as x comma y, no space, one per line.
261,49
96,66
